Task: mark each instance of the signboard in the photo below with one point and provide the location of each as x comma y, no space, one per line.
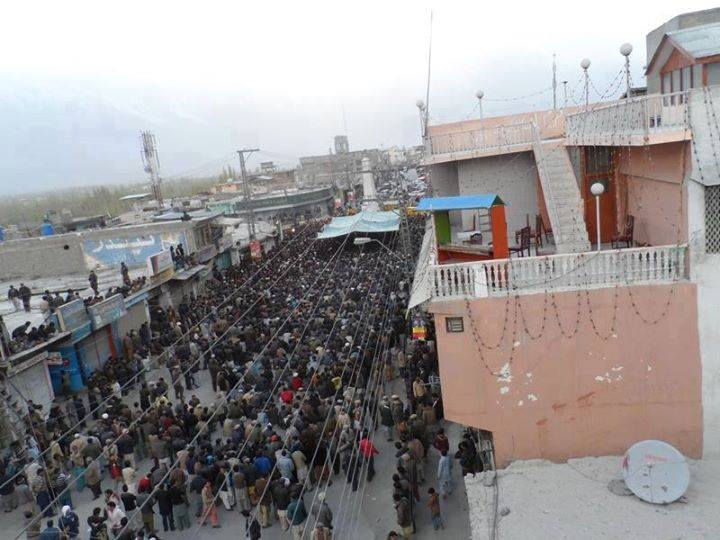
54,359
132,250
255,249
107,311
159,263
72,315
419,332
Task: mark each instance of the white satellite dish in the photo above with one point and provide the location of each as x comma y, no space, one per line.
656,472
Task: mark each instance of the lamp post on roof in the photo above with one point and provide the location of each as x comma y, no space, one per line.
597,189
420,104
585,64
479,95
625,50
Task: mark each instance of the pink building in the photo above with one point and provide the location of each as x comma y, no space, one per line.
564,350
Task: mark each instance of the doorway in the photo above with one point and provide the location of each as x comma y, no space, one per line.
598,167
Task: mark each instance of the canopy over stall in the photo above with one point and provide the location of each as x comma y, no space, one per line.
363,222
489,242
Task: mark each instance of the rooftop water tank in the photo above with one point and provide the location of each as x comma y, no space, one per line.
47,229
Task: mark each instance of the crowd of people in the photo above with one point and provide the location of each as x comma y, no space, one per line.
301,353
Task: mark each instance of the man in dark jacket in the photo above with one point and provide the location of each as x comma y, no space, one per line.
165,507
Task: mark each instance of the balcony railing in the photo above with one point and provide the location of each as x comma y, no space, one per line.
482,139
571,271
628,121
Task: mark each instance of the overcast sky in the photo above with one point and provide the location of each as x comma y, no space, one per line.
79,80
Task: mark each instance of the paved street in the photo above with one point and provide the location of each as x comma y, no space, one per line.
372,520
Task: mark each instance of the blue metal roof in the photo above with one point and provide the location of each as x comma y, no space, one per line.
461,202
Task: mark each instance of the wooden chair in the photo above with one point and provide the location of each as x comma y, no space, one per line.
537,234
523,235
626,235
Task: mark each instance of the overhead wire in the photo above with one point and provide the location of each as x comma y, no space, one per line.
279,377
224,399
330,411
141,416
166,352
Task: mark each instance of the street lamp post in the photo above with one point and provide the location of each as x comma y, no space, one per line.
479,95
597,189
585,64
625,50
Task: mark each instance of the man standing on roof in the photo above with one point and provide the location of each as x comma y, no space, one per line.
92,278
25,295
14,297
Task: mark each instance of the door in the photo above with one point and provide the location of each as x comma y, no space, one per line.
597,167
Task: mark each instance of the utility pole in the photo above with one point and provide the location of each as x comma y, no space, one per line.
151,163
565,93
247,192
554,83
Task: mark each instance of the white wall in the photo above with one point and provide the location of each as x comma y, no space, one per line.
512,177
706,141
704,272
706,275
32,383
444,180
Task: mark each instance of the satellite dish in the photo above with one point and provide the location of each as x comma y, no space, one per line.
655,472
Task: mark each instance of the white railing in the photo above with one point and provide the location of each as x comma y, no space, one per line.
484,138
662,264
623,121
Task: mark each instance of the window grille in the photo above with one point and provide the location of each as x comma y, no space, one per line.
712,219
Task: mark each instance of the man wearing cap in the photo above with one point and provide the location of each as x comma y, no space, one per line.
69,522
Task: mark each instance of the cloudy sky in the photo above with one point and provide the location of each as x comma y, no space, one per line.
79,80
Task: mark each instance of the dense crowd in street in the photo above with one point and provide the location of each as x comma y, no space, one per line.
300,352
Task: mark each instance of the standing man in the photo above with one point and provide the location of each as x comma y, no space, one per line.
14,297
25,295
368,450
444,474
404,516
297,514
92,278
125,274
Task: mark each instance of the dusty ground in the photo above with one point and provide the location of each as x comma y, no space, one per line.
572,500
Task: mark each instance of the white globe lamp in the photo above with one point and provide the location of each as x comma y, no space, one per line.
597,189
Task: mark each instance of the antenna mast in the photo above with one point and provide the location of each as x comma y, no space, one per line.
151,164
427,90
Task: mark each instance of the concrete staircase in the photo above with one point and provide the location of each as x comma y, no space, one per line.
562,196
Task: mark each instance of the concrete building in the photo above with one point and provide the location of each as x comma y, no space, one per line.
342,168
269,179
568,351
288,205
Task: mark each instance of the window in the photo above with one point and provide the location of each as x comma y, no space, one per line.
713,73
454,324
676,80
666,88
712,219
697,76
687,78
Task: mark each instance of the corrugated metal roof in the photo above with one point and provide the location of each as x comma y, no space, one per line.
699,41
461,202
366,221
